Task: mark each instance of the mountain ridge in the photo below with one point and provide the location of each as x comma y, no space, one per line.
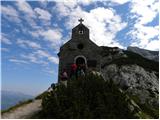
11,98
152,55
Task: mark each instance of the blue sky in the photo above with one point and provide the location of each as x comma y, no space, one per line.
33,31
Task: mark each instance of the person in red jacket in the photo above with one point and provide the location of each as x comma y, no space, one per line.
73,70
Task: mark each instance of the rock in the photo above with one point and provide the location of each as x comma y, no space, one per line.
135,80
96,73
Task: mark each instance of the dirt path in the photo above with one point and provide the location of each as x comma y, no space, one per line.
24,111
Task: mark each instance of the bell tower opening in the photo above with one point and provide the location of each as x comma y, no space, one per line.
81,31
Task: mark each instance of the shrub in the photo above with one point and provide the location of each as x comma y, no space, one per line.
86,97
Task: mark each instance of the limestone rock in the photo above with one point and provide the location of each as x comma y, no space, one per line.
135,80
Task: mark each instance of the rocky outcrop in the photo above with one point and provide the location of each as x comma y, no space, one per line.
151,55
136,81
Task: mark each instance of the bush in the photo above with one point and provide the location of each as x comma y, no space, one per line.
87,97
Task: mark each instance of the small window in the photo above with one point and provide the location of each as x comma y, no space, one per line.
81,32
80,46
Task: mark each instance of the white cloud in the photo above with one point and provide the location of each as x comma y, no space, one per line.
84,2
25,7
51,58
144,36
119,1
52,35
4,49
10,13
145,11
41,53
18,61
104,23
9,10
29,14
75,3
5,40
40,57
61,9
31,57
27,43
43,14
153,45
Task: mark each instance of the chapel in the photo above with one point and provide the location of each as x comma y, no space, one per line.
80,50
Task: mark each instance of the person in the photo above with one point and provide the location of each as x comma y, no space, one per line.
73,70
64,77
84,68
78,71
82,72
53,86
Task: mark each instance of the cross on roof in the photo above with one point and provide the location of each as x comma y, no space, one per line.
81,20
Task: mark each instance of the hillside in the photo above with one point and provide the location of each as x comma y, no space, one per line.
126,74
93,97
126,87
151,55
88,97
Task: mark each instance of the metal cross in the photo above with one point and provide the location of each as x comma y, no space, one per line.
81,20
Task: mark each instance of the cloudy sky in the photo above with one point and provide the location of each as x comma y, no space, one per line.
33,31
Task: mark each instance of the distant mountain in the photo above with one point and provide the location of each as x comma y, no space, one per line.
152,55
10,98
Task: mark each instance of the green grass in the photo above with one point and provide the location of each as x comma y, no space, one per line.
150,110
16,106
147,110
143,115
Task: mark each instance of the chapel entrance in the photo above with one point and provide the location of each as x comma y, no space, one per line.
80,61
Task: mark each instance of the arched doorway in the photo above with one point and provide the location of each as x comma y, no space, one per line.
81,61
